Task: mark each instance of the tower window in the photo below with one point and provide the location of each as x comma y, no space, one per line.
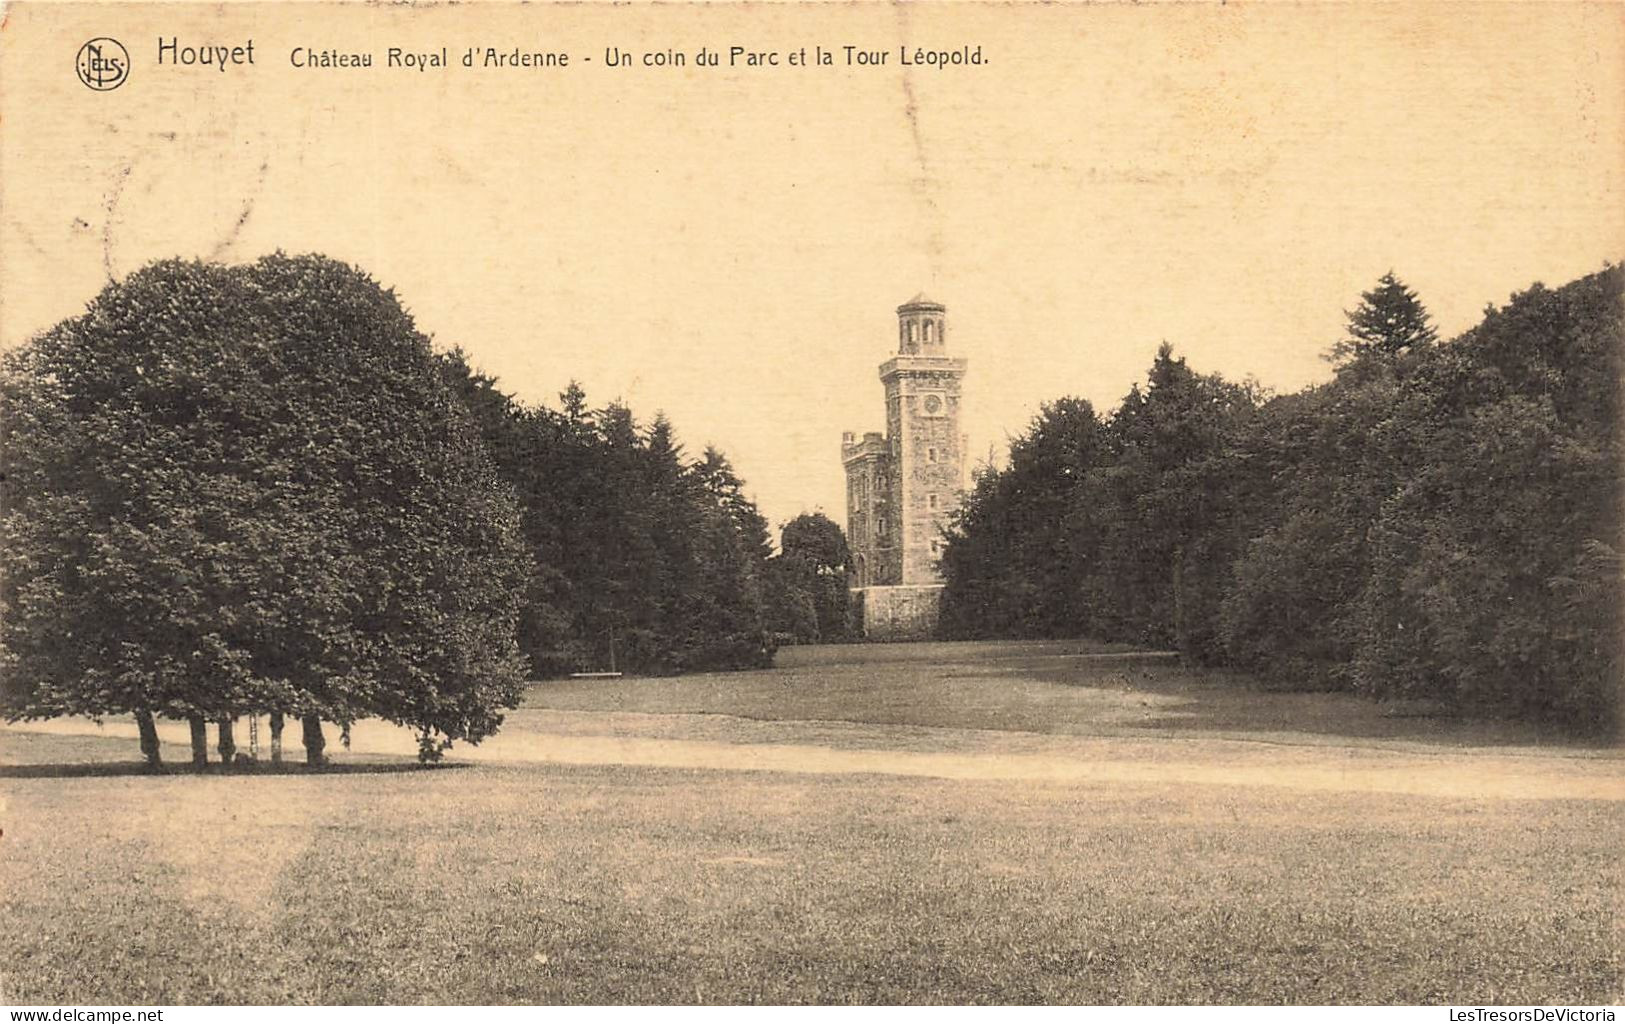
930,455
931,500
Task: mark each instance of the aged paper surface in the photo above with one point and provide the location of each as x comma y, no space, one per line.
715,212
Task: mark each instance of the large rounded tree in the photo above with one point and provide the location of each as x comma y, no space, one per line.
237,490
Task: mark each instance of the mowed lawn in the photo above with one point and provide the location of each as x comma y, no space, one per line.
525,881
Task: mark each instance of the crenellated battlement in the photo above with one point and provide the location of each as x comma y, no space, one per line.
873,445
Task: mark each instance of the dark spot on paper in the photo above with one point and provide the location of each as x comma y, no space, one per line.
110,208
242,218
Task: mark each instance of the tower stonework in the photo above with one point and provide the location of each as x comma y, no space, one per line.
903,486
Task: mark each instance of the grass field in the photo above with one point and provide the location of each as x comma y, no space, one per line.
924,823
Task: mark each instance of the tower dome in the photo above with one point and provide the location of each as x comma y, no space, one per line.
922,326
921,302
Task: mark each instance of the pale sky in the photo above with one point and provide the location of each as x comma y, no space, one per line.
729,246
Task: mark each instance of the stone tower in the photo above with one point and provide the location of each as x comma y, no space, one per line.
901,487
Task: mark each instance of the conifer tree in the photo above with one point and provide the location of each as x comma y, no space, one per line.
1390,320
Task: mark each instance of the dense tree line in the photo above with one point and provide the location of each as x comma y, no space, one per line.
1440,521
644,560
256,490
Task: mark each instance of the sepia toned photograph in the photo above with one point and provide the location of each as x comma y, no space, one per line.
897,503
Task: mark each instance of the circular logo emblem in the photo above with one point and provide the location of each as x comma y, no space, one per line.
103,64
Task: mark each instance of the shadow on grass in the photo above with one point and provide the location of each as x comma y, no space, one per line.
1226,702
108,769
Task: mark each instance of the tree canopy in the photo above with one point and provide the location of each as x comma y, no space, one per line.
1390,320
235,490
1440,521
645,560
810,577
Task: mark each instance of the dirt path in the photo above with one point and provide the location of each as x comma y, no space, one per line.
1476,776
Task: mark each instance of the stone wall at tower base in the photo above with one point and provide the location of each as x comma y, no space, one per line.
897,613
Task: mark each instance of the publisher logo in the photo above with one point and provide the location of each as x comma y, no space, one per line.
103,64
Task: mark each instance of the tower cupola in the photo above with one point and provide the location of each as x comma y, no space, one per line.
922,326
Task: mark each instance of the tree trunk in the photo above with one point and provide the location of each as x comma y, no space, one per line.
149,739
200,740
228,742
276,737
315,743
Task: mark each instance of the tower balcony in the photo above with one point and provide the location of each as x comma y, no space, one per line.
899,366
